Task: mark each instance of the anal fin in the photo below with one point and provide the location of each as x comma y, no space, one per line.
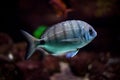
71,54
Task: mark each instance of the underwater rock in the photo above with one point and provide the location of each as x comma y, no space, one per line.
19,50
79,64
33,70
51,64
9,71
65,73
5,43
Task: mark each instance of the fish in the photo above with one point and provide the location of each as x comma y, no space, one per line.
60,7
64,38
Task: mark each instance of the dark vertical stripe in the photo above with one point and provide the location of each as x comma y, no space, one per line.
54,31
64,31
73,29
80,31
79,27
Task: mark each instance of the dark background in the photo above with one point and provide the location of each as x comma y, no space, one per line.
103,53
29,14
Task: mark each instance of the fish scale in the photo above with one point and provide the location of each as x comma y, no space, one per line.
67,29
64,30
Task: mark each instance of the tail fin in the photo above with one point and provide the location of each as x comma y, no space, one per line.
32,45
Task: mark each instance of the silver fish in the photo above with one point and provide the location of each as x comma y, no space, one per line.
63,38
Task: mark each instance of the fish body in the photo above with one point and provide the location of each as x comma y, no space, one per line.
63,38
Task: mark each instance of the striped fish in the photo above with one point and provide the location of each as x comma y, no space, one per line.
62,38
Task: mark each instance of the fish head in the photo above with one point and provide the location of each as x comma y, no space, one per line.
88,32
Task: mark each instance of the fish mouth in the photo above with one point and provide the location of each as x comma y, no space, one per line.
95,33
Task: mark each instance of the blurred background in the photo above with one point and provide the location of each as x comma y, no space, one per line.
99,60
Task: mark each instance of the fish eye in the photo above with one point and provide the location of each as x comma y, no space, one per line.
42,42
90,31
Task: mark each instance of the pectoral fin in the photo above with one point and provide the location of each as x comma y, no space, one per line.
71,53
